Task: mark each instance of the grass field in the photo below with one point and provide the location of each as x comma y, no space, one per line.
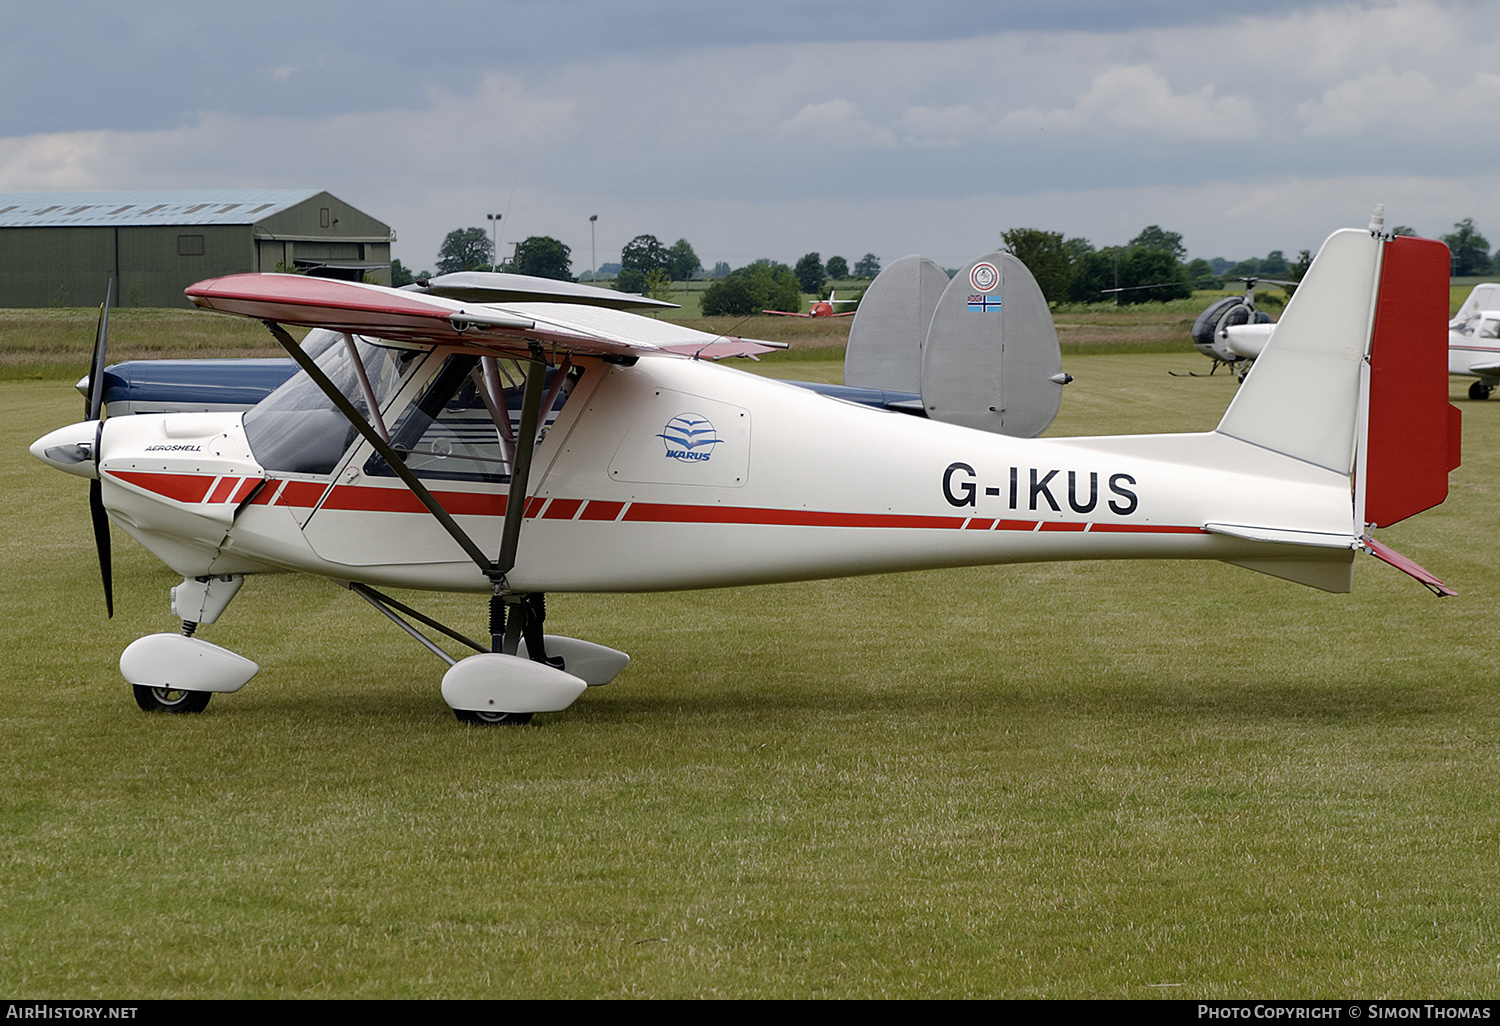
1101,780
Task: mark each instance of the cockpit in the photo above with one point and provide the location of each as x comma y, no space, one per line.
453,416
1479,325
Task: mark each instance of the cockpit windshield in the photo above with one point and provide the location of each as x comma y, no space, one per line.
297,429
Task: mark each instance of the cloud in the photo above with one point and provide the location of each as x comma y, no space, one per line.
1240,132
835,122
1410,101
65,162
1137,98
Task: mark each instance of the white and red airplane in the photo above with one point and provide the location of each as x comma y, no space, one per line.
819,308
1474,340
516,449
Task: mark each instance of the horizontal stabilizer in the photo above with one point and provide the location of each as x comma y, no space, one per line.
1316,539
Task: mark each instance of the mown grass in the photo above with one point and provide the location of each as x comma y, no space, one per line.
1123,780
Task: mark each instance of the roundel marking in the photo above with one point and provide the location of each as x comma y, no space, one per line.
984,276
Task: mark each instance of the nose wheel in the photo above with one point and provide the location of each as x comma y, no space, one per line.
172,700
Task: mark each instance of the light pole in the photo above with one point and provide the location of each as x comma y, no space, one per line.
494,220
593,254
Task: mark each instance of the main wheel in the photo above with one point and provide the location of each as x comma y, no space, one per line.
172,700
492,719
1479,391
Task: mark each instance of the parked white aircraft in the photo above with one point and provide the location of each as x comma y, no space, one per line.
1474,340
515,449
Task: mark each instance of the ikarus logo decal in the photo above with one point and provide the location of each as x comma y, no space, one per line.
689,437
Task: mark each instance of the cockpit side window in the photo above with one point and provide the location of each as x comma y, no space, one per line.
464,424
297,429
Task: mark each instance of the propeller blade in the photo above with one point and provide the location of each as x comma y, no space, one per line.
95,412
101,543
96,372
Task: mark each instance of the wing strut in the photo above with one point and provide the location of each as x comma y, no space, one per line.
520,471
389,454
528,610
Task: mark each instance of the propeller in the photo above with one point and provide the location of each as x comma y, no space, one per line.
94,407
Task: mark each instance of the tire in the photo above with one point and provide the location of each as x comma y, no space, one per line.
489,719
171,700
1479,391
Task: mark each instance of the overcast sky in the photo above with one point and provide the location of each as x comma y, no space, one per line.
771,129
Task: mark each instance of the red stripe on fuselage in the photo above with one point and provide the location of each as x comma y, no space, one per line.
364,499
367,499
177,487
223,488
657,512
246,486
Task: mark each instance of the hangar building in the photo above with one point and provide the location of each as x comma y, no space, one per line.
61,248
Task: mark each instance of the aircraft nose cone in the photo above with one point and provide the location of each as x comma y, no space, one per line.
69,449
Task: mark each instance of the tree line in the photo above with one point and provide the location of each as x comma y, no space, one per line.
1152,266
649,267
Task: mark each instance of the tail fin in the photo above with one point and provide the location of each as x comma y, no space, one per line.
1355,380
980,350
885,340
1357,373
991,360
1303,397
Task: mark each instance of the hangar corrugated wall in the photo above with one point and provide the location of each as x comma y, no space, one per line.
60,249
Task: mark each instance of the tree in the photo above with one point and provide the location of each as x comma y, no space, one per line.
641,255
466,249
868,266
400,275
542,256
1470,250
1046,256
836,268
682,262
760,286
1132,268
1156,238
644,253
809,272
1201,273
721,270
1275,265
658,286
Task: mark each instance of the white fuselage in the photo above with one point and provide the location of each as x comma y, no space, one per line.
1474,346
779,484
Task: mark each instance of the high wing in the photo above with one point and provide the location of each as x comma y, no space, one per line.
487,329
